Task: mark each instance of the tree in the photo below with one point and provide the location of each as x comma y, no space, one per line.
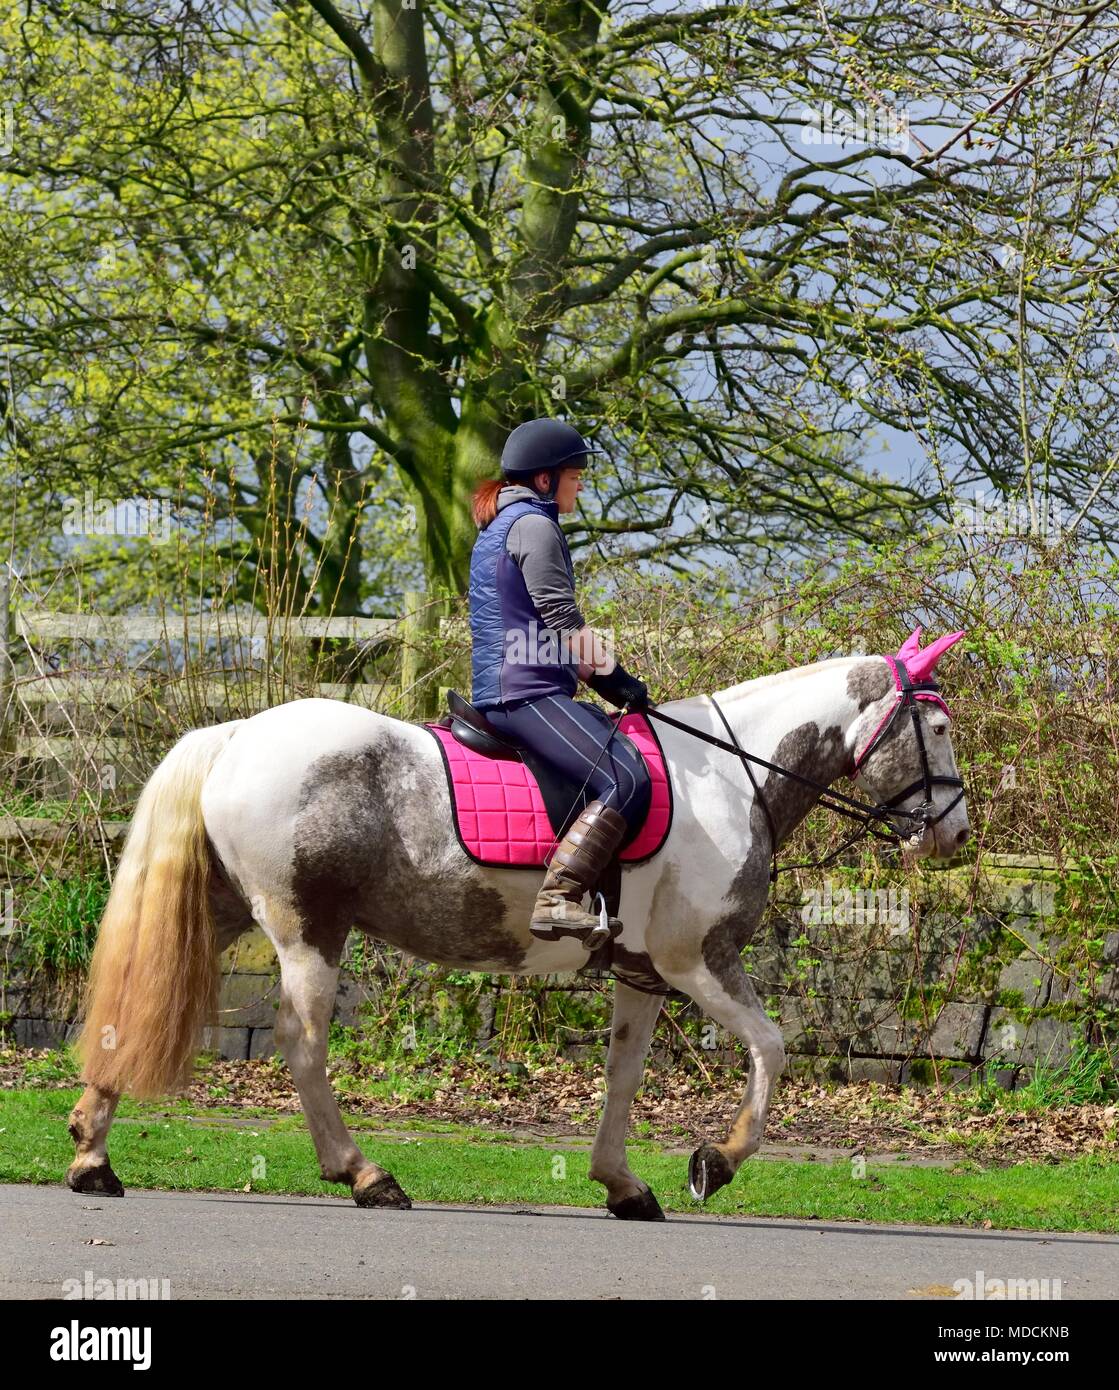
731,242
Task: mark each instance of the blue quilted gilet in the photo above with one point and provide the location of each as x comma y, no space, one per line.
512,658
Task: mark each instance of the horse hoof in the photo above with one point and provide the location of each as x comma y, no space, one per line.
708,1170
643,1206
385,1192
101,1180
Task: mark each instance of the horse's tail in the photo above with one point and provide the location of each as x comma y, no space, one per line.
153,980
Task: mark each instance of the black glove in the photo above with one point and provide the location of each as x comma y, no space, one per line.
620,688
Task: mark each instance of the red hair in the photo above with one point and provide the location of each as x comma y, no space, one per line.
485,501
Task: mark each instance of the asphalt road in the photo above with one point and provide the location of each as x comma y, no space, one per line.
222,1245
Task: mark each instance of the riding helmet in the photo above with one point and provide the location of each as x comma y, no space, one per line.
543,444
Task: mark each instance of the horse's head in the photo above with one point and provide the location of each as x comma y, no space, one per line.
903,753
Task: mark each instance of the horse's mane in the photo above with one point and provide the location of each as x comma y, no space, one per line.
761,683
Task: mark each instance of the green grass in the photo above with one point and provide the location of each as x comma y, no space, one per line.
24,803
1088,1077
468,1164
58,927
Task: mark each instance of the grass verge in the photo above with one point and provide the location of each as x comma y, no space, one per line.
160,1150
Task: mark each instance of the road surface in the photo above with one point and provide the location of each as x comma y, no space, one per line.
233,1245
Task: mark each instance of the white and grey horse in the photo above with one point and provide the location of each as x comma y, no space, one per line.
318,817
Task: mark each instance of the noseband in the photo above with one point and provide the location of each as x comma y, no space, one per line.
906,695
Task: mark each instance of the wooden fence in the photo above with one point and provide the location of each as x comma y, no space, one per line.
69,727
191,668
92,710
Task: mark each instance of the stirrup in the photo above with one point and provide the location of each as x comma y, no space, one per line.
589,937
600,935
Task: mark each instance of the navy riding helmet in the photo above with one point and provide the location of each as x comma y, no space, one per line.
543,444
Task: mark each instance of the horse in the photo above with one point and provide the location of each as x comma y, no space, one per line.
318,816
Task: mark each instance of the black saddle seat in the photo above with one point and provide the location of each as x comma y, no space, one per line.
473,730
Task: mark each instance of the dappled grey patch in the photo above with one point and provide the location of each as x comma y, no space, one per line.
725,938
815,754
230,912
895,760
868,681
371,852
638,965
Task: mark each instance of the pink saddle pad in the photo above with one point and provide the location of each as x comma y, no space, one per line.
500,814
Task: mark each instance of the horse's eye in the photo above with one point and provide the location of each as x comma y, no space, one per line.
940,728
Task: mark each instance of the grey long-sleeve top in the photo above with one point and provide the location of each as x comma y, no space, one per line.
536,548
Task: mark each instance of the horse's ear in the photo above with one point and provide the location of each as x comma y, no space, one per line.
924,663
911,646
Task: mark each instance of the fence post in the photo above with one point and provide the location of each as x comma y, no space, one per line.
410,653
772,623
5,652
419,698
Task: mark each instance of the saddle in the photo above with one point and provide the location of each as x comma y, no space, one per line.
511,807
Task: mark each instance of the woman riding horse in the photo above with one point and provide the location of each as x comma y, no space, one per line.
531,647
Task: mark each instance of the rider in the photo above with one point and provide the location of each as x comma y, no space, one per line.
531,647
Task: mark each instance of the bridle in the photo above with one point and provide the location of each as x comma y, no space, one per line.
907,693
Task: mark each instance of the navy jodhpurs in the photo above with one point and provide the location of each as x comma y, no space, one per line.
570,736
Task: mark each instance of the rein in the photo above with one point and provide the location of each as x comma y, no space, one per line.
907,695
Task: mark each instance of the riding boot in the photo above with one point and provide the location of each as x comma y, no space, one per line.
579,860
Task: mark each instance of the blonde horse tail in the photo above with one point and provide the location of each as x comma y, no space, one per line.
154,976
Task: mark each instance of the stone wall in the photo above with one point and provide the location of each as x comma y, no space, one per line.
883,1004
861,998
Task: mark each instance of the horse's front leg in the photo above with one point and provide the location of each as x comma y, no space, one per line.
631,1030
724,992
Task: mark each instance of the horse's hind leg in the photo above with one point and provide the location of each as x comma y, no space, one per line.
90,1120
308,983
635,1015
728,997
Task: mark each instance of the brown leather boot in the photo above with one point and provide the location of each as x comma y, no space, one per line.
580,858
